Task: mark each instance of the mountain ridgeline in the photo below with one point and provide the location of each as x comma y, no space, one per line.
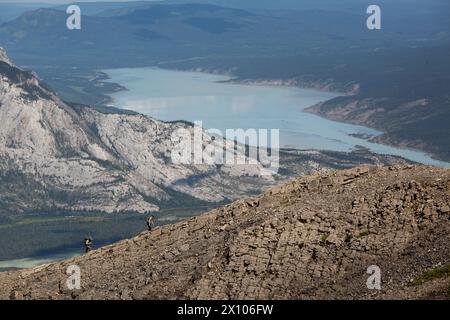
312,238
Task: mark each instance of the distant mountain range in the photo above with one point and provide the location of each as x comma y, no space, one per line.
401,72
207,31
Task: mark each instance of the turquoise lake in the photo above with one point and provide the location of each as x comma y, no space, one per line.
192,96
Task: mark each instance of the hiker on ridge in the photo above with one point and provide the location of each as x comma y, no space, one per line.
87,244
150,223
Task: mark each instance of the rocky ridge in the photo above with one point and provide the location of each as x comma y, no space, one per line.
311,238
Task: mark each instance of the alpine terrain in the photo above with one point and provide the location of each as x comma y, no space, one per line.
312,238
70,157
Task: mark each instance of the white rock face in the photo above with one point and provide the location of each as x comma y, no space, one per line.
88,160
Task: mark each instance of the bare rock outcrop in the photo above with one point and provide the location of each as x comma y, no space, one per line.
311,238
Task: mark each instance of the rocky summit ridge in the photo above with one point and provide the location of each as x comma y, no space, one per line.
311,238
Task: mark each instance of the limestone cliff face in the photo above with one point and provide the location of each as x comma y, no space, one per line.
76,158
313,237
55,155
